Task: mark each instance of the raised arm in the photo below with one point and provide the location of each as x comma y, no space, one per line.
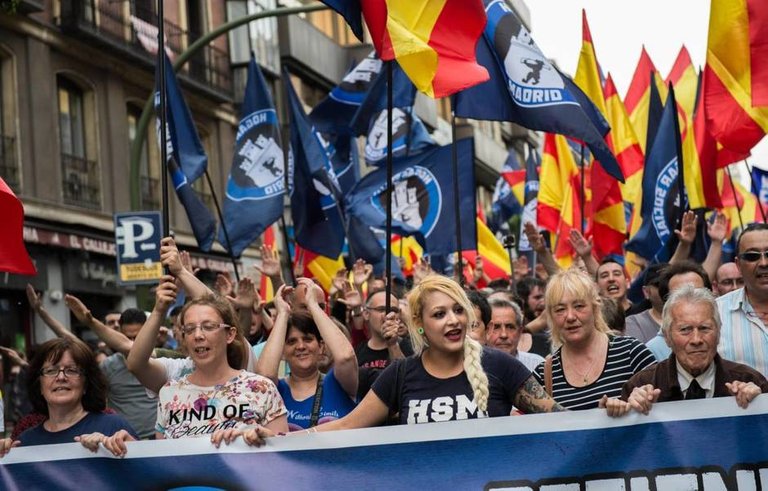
583,248
36,303
242,302
116,340
686,236
543,254
150,372
269,362
170,257
716,231
344,359
270,266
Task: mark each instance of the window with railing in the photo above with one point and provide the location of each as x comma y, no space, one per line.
149,168
328,22
9,167
260,36
80,175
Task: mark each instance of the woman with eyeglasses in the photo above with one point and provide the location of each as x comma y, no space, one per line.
217,400
68,387
301,337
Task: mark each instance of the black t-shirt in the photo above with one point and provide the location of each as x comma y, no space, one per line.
379,358
427,399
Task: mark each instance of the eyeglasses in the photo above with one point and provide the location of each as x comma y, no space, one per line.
383,309
53,372
753,256
205,326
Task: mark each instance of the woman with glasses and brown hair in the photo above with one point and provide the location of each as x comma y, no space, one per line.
301,337
217,399
67,386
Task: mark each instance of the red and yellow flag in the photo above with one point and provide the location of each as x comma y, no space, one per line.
516,181
758,50
735,121
321,268
629,153
495,257
684,80
433,41
608,219
741,202
409,250
638,95
558,209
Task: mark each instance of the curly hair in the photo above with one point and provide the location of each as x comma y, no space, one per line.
95,385
237,350
472,349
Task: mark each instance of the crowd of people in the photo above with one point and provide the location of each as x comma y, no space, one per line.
225,365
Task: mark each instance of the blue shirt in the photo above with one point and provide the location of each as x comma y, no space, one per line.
659,347
335,403
108,424
743,338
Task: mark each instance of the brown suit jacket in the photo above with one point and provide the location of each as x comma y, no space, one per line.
663,376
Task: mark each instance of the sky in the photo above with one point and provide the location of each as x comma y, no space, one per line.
619,31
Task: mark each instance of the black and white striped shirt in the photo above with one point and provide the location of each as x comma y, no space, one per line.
626,356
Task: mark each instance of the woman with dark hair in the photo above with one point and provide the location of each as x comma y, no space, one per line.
217,399
302,338
67,386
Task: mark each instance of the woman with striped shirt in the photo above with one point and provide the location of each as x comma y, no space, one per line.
589,363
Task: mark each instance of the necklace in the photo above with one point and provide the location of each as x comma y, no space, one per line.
585,375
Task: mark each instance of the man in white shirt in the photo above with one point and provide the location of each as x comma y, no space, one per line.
505,329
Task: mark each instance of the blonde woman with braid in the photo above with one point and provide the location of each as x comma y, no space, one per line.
450,377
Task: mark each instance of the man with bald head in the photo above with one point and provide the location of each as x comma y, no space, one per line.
384,344
727,278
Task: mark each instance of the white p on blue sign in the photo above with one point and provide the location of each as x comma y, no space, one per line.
137,235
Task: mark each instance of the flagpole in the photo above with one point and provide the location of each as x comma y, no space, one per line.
284,228
163,119
390,190
735,196
286,130
753,186
680,166
583,192
223,224
456,199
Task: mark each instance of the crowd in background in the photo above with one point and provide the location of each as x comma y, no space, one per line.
219,362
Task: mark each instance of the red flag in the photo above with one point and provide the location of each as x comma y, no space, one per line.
758,50
13,255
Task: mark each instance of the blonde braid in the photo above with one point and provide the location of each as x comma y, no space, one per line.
475,373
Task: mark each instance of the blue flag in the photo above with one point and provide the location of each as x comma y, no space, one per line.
186,158
375,100
344,157
423,201
760,185
525,88
335,113
532,164
662,202
313,187
504,204
256,183
352,13
409,136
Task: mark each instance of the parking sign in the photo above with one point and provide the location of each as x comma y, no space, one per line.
137,235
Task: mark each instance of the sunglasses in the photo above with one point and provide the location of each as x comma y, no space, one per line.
753,256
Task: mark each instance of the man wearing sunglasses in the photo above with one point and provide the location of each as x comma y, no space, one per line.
383,345
744,311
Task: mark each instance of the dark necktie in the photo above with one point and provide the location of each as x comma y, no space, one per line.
695,391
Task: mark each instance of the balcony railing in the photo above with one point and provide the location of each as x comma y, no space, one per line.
150,193
80,182
9,168
136,33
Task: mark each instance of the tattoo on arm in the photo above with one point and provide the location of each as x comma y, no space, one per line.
532,398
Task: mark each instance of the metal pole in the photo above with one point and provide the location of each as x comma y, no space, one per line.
456,200
390,190
163,119
223,225
735,196
753,186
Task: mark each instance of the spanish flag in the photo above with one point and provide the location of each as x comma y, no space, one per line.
742,202
516,180
736,122
638,95
629,153
433,40
495,257
558,209
408,250
608,219
321,268
684,80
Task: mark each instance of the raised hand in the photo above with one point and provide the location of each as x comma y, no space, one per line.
535,239
281,299
223,284
35,299
361,272
718,228
170,256
687,232
165,293
270,262
421,269
78,309
582,246
339,280
351,296
246,295
522,268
